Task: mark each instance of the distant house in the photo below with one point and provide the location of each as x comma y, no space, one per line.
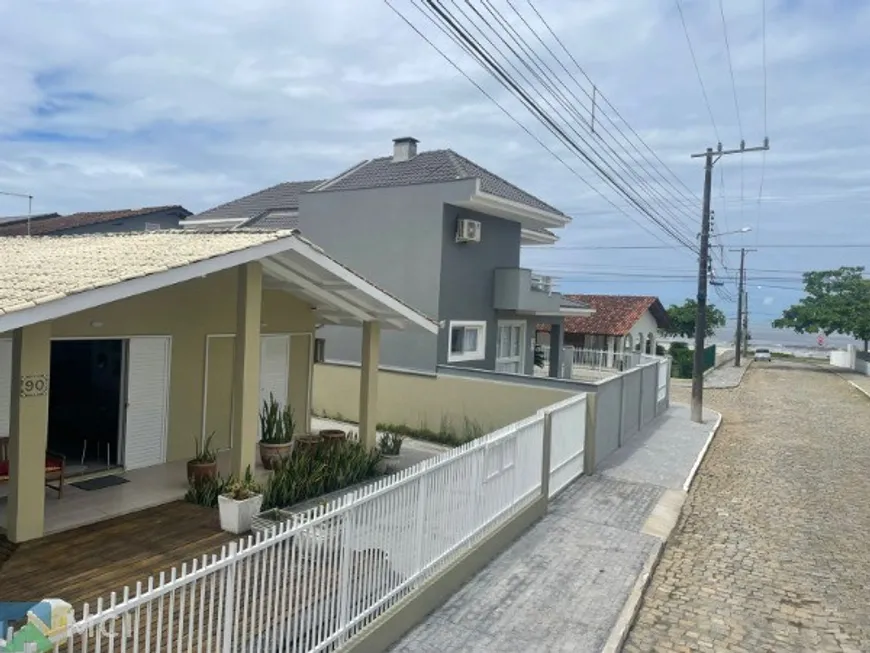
621,323
276,207
91,222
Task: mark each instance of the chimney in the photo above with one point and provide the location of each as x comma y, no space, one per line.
404,149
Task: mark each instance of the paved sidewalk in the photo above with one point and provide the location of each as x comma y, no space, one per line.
563,584
863,382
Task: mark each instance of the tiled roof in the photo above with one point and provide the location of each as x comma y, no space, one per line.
281,196
61,222
35,271
430,167
39,270
277,219
614,315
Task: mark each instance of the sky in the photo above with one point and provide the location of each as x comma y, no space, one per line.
121,103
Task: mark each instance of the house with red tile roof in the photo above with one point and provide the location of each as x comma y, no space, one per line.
149,218
620,323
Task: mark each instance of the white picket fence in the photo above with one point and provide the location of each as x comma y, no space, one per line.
312,585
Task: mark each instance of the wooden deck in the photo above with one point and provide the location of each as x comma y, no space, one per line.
81,565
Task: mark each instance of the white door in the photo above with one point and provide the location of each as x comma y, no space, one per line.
5,385
274,368
147,401
510,347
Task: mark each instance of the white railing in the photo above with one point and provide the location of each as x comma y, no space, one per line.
312,584
542,283
567,441
664,373
606,360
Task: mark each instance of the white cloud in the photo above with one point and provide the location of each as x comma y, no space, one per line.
109,104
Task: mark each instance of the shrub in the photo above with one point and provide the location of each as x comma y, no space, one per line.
206,490
315,471
276,425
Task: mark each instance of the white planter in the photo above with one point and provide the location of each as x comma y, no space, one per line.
237,516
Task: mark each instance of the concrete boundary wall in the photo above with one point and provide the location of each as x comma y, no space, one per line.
619,407
431,400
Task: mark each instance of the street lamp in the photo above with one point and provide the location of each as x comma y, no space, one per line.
744,230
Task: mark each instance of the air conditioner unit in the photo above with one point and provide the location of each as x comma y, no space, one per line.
467,231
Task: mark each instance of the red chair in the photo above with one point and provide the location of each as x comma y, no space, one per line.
55,467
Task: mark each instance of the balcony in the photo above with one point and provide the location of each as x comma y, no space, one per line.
522,291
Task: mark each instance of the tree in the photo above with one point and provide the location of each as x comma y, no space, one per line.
836,301
681,319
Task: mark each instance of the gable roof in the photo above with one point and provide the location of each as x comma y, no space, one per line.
283,196
52,224
45,278
430,167
614,315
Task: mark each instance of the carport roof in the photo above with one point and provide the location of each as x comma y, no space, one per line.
46,277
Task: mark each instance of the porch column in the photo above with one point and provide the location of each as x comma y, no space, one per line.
557,342
246,367
368,384
28,431
611,349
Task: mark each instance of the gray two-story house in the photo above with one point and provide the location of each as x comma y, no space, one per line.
441,233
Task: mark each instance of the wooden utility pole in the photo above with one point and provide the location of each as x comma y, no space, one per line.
739,339
710,158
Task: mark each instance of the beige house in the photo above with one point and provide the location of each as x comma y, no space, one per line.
123,351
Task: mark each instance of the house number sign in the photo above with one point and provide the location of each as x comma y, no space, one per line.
35,385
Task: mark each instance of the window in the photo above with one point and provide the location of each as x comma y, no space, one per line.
510,347
467,341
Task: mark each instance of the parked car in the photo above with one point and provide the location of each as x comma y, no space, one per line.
762,354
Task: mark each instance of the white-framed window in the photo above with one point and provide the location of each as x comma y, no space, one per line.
467,341
510,346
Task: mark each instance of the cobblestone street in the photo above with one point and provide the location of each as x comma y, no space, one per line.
772,552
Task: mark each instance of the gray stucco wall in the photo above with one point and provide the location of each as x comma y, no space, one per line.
166,220
467,277
392,237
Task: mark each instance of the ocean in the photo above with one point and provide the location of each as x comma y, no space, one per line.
785,341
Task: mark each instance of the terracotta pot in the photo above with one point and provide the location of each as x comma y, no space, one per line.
198,471
270,452
333,436
305,442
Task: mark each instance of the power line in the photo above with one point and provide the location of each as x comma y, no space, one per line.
731,67
766,246
494,68
613,159
508,113
697,69
561,43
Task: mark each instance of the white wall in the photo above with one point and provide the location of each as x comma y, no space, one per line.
645,325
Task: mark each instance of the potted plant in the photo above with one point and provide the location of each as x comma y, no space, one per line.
239,503
390,445
333,436
204,464
276,432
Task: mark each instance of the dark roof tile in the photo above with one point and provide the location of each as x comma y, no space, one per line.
59,223
282,196
430,167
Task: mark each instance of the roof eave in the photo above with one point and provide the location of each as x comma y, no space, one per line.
528,216
532,237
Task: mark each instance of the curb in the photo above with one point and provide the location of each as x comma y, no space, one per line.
632,604
626,618
857,387
691,477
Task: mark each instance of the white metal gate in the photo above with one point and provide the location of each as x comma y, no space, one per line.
147,401
567,441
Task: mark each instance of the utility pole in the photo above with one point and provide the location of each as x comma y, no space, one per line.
739,340
710,159
745,321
